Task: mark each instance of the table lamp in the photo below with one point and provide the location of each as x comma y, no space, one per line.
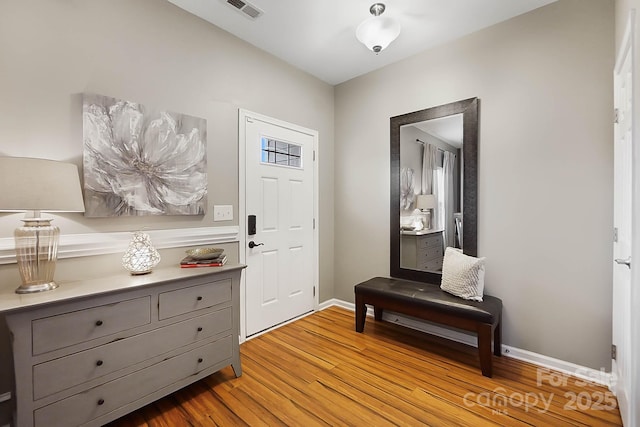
140,256
426,202
31,186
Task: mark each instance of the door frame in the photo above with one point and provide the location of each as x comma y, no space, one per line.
634,383
629,47
243,115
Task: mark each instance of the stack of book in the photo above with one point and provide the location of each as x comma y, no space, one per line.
189,262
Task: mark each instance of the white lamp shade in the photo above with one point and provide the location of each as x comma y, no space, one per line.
377,31
28,184
38,185
425,201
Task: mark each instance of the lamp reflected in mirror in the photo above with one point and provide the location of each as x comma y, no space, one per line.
425,203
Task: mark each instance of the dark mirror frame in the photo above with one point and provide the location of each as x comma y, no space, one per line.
469,110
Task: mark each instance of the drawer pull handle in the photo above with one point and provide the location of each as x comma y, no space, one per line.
200,360
99,323
99,363
199,298
199,328
101,402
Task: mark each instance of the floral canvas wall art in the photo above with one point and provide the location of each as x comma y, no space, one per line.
141,161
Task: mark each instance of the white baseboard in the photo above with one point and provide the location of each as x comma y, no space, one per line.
589,374
562,366
5,396
338,303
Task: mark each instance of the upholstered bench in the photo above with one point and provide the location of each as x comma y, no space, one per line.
428,302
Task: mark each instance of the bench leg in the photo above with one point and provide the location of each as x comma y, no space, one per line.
361,313
484,348
377,313
497,339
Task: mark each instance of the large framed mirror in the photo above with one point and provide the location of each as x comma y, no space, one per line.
434,188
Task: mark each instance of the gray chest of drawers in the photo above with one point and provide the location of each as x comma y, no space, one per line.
422,250
101,348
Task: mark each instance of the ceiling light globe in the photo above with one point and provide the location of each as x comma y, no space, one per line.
377,32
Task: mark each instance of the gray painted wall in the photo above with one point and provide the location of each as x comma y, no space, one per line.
151,52
157,54
544,80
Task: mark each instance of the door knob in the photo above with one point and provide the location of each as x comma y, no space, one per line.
626,262
253,244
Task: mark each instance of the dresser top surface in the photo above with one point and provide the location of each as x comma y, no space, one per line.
422,232
121,281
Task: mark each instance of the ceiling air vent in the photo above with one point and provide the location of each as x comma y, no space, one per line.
248,10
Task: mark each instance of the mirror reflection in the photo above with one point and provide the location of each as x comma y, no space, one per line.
431,167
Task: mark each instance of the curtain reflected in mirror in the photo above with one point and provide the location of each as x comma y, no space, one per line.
433,169
431,198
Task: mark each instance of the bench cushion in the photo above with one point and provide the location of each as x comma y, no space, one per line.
431,297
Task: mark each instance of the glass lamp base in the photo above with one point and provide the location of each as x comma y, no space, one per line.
36,253
41,287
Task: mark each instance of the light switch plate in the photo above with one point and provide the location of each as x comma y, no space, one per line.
222,212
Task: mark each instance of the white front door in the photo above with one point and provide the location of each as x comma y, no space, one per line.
623,269
279,194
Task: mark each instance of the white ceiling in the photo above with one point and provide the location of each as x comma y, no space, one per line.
318,36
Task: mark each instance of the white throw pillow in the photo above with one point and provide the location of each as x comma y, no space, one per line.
462,275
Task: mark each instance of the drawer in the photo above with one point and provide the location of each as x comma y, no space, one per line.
63,330
432,265
193,298
432,253
98,401
60,374
430,241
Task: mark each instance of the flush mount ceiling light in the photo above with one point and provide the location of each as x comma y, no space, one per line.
377,32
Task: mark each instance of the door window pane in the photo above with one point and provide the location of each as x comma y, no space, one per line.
281,153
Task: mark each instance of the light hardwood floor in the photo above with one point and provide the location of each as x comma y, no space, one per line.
319,371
